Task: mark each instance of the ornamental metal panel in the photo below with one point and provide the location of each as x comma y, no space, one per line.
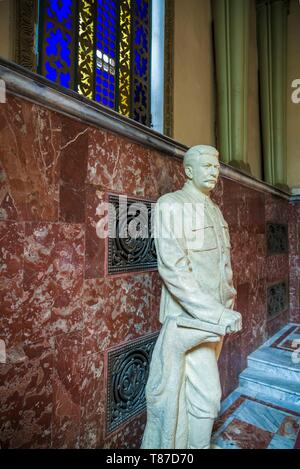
277,298
127,374
277,238
131,243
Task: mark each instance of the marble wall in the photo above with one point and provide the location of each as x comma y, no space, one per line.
294,245
61,312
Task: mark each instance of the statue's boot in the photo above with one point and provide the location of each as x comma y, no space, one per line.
199,432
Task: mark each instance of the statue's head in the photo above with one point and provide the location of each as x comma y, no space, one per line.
202,167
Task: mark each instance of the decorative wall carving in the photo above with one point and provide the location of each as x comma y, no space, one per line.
126,253
277,238
127,369
277,298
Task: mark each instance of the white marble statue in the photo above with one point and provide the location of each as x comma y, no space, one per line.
193,249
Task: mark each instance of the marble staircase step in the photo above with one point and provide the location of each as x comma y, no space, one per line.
274,362
281,389
261,396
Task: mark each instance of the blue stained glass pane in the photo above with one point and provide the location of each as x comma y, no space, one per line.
49,25
141,51
65,79
57,40
58,64
106,37
50,72
61,10
142,8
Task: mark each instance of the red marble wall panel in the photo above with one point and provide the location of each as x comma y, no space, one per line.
129,436
26,395
116,310
276,209
60,309
73,171
53,279
30,155
277,267
11,281
294,261
230,363
108,157
94,245
92,405
66,390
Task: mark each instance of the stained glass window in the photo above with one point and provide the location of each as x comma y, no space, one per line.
106,52
101,49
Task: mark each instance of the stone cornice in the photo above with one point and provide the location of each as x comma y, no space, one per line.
29,85
252,182
38,89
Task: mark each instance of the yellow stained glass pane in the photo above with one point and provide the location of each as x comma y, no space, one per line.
86,48
124,57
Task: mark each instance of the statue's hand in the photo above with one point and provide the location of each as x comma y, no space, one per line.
232,320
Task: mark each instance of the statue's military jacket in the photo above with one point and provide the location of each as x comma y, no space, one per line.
195,266
193,252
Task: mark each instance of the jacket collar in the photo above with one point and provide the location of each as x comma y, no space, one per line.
196,195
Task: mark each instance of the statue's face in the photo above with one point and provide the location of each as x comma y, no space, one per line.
204,172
